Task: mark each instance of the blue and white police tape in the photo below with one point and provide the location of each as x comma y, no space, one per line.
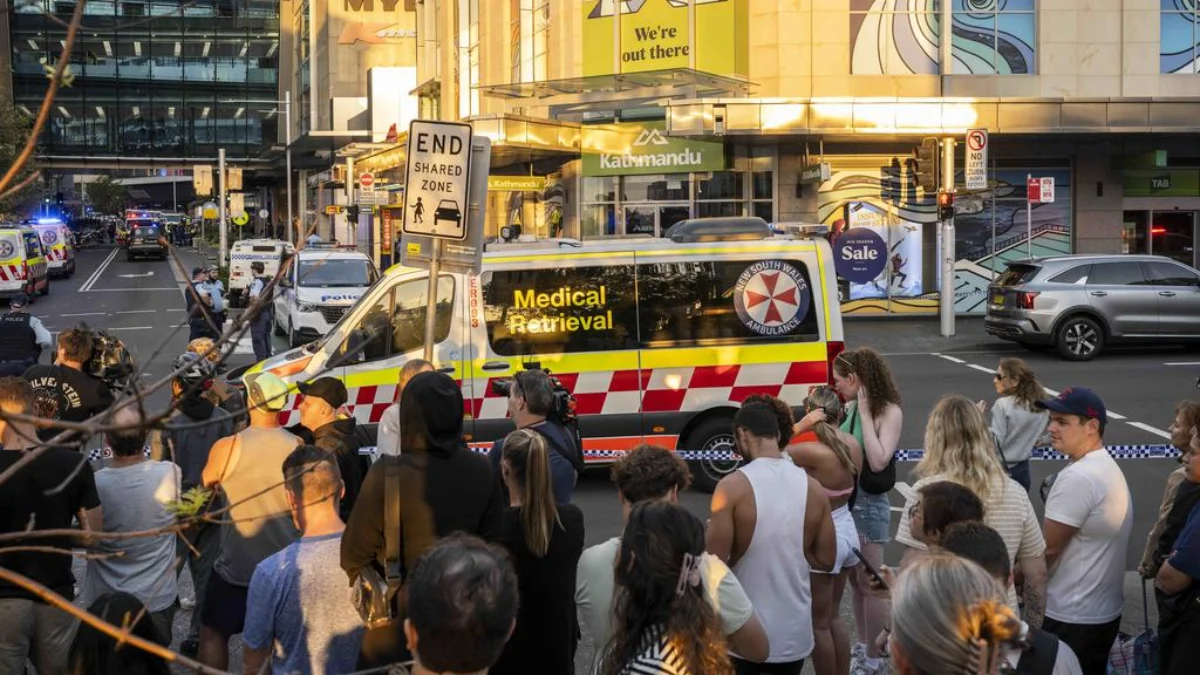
1116,451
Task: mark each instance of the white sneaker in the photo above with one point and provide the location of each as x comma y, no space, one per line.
188,603
862,667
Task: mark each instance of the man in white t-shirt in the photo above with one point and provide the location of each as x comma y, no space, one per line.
647,474
1089,516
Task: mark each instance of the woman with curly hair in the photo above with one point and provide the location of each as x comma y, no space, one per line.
959,448
1017,422
874,419
663,622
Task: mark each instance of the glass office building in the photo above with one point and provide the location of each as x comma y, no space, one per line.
153,78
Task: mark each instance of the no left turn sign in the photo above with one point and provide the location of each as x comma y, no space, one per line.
977,139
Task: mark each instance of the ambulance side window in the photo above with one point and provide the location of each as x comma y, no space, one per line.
716,302
396,323
33,247
560,310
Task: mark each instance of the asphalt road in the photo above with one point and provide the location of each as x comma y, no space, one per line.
142,303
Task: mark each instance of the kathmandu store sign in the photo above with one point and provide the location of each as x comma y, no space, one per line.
643,149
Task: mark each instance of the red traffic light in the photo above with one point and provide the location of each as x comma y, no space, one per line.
945,199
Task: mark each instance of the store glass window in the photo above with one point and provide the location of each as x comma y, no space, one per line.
669,187
561,310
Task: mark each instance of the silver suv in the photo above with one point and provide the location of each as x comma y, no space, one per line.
1079,304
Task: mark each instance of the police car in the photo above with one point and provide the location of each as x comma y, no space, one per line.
319,288
659,339
270,252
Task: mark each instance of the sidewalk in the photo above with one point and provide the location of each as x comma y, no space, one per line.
921,335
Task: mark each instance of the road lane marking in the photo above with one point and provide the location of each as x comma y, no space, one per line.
132,328
1182,363
1146,427
128,290
87,314
138,311
1114,415
91,281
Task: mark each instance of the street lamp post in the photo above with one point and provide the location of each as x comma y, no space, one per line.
287,120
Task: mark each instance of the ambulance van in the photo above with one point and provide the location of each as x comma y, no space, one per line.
23,267
270,252
58,245
659,340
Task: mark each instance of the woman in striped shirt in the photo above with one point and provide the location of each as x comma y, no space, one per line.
664,625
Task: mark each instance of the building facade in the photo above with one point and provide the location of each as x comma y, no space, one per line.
153,79
616,119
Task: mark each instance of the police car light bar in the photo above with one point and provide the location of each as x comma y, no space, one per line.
801,229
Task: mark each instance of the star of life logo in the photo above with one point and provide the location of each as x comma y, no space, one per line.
49,236
771,297
6,249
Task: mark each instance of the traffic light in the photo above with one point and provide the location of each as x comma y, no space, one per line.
945,202
926,159
352,213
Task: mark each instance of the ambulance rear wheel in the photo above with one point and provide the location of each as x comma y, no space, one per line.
714,435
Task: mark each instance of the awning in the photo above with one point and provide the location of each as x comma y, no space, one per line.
858,117
704,84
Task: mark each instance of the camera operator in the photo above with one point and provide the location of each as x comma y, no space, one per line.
531,400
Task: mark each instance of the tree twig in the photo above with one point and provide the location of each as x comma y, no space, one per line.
121,635
84,555
22,185
64,59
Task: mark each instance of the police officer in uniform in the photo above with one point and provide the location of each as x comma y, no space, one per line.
22,338
260,324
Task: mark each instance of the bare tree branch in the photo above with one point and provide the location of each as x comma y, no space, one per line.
48,101
121,635
84,555
22,185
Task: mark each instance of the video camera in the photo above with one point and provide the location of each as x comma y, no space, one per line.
563,408
111,361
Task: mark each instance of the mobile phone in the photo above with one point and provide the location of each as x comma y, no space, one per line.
874,573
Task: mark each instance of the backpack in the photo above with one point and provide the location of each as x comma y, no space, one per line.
1040,657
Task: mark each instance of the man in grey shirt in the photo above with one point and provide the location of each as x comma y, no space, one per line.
135,491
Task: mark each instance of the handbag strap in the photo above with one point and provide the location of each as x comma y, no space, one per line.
1145,604
393,563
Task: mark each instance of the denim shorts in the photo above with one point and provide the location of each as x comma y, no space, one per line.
873,516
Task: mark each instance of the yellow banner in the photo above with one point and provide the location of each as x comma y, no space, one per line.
516,183
655,36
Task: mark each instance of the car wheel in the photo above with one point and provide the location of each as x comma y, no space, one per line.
129,257
46,288
1079,338
713,435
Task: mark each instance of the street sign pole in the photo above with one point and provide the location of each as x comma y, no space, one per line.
1028,217
946,296
222,223
431,299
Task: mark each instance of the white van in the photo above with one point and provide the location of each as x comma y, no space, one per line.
319,288
270,252
659,339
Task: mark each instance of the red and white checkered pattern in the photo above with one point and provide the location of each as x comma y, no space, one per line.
56,254
620,392
11,273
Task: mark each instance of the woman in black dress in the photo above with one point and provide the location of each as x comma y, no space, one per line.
545,541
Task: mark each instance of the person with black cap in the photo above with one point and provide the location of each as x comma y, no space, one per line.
1089,516
322,426
444,488
22,337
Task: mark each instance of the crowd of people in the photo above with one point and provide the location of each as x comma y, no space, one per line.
479,562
